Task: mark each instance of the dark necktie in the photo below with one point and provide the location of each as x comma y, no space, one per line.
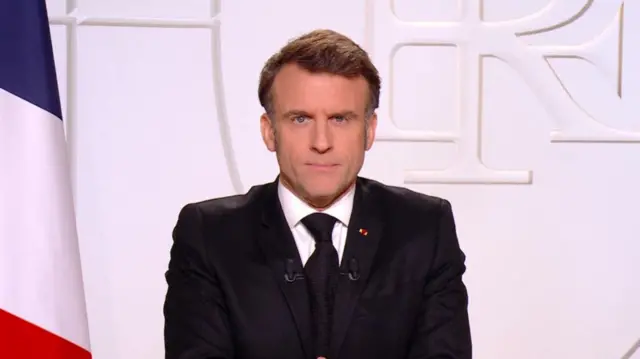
321,271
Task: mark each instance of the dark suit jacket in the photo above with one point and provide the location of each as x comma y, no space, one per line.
228,298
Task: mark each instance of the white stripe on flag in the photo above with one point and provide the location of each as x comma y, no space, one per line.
40,276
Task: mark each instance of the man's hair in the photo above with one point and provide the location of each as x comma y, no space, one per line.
321,51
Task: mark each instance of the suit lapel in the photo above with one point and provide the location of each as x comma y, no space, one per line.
363,236
278,245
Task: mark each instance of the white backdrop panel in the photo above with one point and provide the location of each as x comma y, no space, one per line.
522,113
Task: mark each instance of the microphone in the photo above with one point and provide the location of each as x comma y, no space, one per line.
290,275
353,270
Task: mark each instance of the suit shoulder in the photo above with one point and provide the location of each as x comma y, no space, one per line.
238,204
396,196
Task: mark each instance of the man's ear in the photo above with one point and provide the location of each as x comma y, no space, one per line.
268,133
372,122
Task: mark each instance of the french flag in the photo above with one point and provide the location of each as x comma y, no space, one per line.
42,305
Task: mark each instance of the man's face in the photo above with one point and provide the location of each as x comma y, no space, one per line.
317,130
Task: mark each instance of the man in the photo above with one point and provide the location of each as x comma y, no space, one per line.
321,262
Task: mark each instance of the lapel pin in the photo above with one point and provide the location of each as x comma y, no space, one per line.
363,231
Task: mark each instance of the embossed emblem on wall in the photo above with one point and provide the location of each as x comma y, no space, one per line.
577,117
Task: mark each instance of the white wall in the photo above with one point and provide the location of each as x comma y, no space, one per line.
530,142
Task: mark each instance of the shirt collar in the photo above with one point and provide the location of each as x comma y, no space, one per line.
295,209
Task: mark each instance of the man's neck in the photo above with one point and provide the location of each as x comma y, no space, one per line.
319,203
295,208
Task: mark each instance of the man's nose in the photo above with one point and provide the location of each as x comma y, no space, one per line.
321,140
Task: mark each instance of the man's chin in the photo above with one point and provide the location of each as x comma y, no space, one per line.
322,195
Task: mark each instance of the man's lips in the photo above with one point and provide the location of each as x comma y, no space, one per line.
322,165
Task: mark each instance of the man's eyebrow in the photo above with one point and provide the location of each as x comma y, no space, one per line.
296,113
346,113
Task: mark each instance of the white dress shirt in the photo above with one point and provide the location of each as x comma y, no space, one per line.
295,210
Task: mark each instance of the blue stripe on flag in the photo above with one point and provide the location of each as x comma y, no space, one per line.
27,67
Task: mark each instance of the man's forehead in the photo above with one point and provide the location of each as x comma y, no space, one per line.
300,85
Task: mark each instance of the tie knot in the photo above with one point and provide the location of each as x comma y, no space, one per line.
320,225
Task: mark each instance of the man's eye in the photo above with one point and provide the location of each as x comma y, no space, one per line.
299,119
340,118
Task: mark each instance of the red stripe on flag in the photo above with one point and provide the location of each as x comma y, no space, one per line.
21,339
